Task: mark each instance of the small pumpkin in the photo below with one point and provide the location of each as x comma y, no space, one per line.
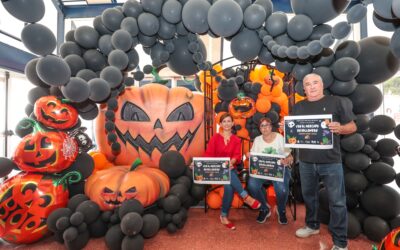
55,113
242,107
26,200
45,152
112,186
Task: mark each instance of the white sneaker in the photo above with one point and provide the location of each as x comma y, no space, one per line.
339,248
305,232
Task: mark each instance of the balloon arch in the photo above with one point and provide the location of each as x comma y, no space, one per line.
127,200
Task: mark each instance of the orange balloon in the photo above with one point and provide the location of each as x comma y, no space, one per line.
237,201
266,90
214,200
210,80
215,97
263,105
243,133
282,99
240,121
218,116
271,196
100,161
253,76
277,89
263,72
298,98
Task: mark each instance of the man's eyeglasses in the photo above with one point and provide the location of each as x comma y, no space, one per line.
265,125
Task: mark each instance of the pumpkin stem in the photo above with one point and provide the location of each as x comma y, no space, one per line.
30,123
157,78
71,177
65,100
136,164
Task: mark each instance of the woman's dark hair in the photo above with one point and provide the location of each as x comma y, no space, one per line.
225,116
264,119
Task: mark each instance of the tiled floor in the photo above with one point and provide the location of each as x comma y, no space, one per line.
204,231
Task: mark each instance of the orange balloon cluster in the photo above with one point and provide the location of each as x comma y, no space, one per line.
271,91
206,78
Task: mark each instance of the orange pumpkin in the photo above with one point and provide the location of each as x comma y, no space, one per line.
242,107
152,120
214,200
111,186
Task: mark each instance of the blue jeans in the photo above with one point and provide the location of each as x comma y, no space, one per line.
255,186
229,189
332,177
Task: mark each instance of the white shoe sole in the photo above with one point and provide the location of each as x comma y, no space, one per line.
307,235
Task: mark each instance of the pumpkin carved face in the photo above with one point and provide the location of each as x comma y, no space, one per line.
54,114
111,186
26,200
49,152
152,120
242,107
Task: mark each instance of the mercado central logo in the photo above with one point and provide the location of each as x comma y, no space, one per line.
154,119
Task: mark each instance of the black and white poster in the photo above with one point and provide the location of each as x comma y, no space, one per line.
211,170
267,166
308,131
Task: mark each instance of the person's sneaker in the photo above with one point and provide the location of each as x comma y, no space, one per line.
263,215
282,218
305,232
339,248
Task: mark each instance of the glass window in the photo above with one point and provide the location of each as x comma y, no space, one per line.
18,89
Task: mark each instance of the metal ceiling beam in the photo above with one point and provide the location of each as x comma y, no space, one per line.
86,11
14,59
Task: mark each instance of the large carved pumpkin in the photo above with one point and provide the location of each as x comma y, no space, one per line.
152,120
26,200
49,152
111,186
54,113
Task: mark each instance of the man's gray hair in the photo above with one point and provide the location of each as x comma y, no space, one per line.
312,74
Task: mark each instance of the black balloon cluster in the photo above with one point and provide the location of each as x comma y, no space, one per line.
127,226
374,208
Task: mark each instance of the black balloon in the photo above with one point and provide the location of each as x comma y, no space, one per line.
380,173
375,228
355,181
382,201
354,227
366,99
352,143
387,147
382,124
357,161
27,11
173,164
377,61
114,237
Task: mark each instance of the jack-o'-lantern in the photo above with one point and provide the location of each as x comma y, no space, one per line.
55,113
110,187
26,200
391,240
152,120
242,107
47,152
